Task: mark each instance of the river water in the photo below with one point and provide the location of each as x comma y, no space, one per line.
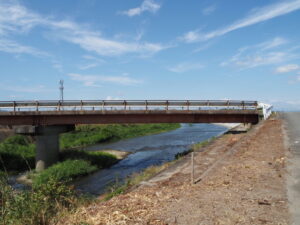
146,151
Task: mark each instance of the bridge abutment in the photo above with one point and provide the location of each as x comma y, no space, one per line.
47,142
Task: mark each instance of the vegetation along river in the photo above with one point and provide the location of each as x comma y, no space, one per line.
146,151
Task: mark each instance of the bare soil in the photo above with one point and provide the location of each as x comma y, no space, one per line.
242,182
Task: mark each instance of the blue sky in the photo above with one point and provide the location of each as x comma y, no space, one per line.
151,49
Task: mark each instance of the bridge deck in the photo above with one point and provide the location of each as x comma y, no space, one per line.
104,112
105,117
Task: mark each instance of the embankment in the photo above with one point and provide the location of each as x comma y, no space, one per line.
242,183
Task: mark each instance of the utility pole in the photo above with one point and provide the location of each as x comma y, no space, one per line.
61,88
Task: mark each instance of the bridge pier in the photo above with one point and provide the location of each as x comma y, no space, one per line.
47,142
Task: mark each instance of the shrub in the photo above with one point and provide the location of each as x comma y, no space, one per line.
63,172
17,153
34,207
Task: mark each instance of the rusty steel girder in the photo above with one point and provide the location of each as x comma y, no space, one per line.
110,117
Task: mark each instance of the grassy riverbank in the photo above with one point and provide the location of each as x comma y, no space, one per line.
17,152
37,205
51,195
93,134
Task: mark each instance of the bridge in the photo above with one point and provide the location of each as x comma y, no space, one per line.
47,119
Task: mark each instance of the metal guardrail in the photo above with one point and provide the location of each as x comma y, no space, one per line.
71,105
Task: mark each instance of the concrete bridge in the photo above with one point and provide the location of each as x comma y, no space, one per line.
47,119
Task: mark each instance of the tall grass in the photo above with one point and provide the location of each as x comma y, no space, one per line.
34,207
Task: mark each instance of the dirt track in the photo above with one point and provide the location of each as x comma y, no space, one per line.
246,187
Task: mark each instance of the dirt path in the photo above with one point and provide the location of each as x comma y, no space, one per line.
246,187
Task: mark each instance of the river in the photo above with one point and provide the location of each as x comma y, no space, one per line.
146,151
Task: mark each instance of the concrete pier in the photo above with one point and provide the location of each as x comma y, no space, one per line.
47,142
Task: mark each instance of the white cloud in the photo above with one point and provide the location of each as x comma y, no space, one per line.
260,59
255,16
88,66
25,89
112,98
277,41
95,80
209,10
186,66
90,62
287,68
265,53
147,5
15,18
10,46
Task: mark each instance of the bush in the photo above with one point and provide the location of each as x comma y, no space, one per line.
99,159
34,207
17,153
63,172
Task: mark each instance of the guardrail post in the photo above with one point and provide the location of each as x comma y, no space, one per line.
146,105
188,105
37,106
14,105
167,105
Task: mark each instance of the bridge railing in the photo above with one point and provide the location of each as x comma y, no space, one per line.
106,105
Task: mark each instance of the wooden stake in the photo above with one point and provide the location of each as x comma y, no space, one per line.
192,168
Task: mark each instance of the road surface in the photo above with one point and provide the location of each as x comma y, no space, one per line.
292,125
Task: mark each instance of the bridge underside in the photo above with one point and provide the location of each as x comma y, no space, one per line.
45,118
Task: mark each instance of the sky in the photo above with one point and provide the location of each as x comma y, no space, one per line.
151,49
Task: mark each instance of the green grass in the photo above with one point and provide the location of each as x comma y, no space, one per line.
92,134
37,206
17,153
97,158
63,172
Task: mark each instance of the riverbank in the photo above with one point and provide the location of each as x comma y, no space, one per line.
51,190
146,151
247,187
85,135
